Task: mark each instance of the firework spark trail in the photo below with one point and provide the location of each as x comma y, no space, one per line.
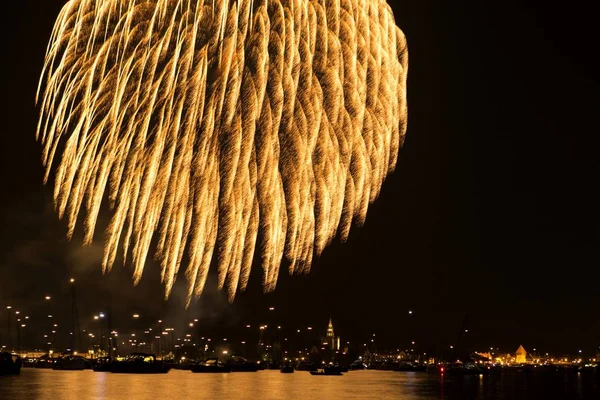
207,124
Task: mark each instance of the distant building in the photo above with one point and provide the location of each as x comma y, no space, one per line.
332,341
520,355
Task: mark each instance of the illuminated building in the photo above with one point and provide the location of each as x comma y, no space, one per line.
330,339
520,355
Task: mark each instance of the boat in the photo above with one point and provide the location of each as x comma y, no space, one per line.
410,367
384,366
306,366
240,364
29,362
333,370
139,363
45,361
10,364
357,365
211,365
185,365
287,368
102,364
463,369
70,363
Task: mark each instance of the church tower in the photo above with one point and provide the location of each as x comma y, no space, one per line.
330,338
521,355
330,335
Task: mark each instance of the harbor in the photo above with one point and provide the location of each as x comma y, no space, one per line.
159,347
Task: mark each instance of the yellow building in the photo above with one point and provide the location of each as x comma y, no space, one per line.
330,338
520,355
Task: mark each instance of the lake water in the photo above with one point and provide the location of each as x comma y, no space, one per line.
88,385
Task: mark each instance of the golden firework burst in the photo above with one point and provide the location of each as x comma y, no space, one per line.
205,124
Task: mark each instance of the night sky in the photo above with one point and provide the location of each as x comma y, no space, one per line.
492,211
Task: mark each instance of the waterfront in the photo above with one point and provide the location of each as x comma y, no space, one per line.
45,384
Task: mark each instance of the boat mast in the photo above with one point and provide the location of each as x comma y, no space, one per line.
75,328
463,329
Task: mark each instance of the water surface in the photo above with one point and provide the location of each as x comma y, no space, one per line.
88,385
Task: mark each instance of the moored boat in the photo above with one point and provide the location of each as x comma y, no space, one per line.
332,370
45,361
410,367
139,363
463,369
306,366
103,364
357,365
287,368
211,365
240,364
10,364
70,363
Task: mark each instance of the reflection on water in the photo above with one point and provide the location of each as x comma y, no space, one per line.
77,385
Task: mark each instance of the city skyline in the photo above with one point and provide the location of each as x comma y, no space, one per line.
96,331
100,335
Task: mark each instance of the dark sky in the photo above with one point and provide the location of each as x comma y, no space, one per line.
492,211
